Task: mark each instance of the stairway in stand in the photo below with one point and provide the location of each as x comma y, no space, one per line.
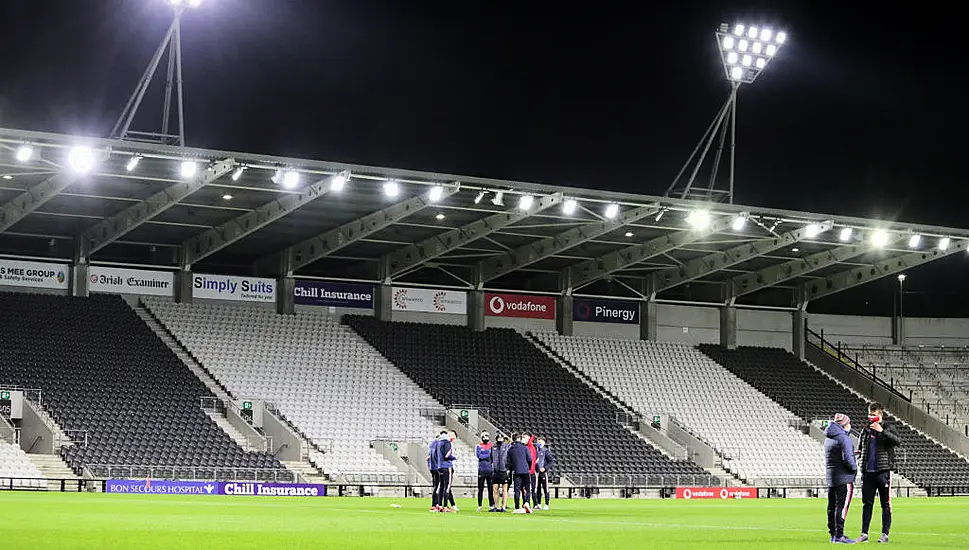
54,469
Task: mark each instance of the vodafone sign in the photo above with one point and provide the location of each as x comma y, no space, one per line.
696,493
520,305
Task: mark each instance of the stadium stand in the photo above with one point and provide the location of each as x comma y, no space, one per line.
936,378
757,434
102,372
14,463
801,388
520,387
321,376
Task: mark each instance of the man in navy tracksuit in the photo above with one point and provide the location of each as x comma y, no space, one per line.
878,443
520,464
544,459
840,472
445,453
434,465
486,469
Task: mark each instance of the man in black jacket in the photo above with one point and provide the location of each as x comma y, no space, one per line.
878,442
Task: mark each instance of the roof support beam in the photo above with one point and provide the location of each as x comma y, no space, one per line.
592,270
711,263
113,228
777,274
315,248
851,278
202,246
527,254
438,245
33,198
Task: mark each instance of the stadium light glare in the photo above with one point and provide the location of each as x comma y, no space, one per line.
845,235
339,181
227,197
736,73
738,30
189,168
569,206
812,230
238,173
765,35
479,197
132,163
498,199
439,216
914,241
525,202
902,277
290,179
755,45
24,153
699,219
81,159
729,42
391,188
612,210
944,243
781,37
629,234
435,193
739,222
879,238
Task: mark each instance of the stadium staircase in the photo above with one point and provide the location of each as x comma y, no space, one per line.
521,387
305,468
814,396
54,469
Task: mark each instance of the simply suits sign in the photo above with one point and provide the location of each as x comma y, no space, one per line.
323,293
430,300
240,289
605,311
33,274
520,305
131,281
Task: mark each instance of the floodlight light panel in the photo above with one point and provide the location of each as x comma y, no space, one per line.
741,55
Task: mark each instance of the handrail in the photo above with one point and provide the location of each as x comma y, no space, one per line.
846,359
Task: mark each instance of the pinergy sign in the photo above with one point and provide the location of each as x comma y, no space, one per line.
606,311
520,305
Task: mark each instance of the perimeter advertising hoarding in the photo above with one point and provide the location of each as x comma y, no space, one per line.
429,300
697,493
325,293
519,305
605,311
230,488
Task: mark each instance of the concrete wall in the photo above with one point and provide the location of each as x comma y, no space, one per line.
853,329
434,318
606,330
695,325
522,325
28,290
335,312
936,332
760,327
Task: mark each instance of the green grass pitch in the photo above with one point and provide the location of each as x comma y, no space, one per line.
72,520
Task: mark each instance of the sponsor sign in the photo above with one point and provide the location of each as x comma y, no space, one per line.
240,289
131,281
520,305
160,487
323,293
694,493
430,300
34,274
606,311
272,489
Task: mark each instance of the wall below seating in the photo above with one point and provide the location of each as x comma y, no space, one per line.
520,324
433,318
928,331
606,330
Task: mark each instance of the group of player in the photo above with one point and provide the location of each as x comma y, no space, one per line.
523,463
876,460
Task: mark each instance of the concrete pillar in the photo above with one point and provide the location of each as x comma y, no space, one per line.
183,286
383,302
647,320
476,310
80,283
728,327
286,296
563,315
798,326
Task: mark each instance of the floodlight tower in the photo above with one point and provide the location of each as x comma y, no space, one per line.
745,52
173,43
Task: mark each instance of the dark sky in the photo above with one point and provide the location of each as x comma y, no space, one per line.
860,114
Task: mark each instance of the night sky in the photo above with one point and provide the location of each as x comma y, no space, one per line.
858,115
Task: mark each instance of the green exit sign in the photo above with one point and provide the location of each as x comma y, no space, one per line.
5,395
247,405
464,413
656,419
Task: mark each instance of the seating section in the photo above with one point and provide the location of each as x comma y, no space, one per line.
14,463
322,377
103,373
739,422
811,395
520,387
937,378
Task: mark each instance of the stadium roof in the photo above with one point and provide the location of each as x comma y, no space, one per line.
153,216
